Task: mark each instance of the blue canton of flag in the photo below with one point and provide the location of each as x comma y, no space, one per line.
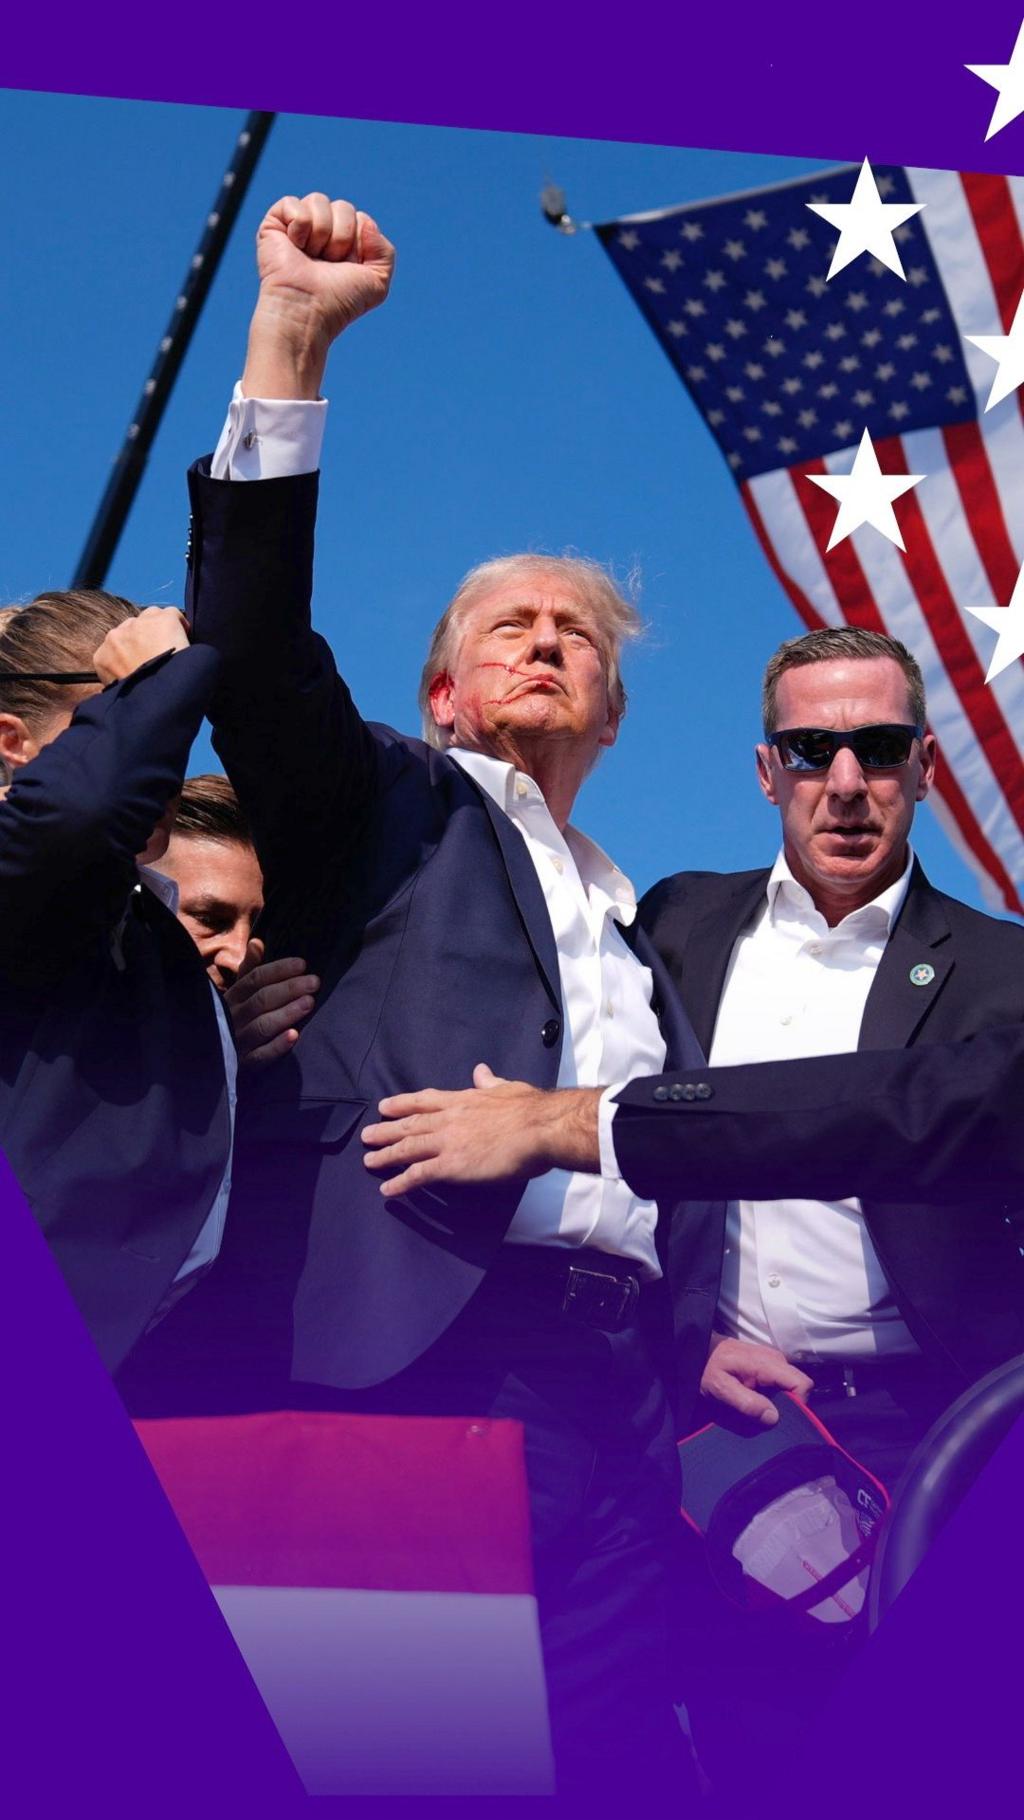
783,366
788,369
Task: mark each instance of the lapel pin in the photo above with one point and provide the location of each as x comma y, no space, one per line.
922,975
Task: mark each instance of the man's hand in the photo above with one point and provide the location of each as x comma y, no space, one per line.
322,265
131,644
493,1130
265,1003
736,1367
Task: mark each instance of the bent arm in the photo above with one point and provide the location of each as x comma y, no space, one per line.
74,819
942,1123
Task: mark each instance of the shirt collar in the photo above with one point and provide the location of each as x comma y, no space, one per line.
517,794
166,889
783,890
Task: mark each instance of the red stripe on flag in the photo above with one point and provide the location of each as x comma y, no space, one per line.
972,471
811,617
949,790
859,606
995,221
928,580
842,564
314,1498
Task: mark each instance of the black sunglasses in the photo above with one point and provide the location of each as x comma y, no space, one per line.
62,676
881,748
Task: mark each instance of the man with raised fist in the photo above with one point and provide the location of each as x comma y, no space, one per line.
439,891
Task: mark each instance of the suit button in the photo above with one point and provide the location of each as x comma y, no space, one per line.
676,1091
550,1032
704,1092
661,1093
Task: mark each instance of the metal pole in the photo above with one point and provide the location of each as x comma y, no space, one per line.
127,471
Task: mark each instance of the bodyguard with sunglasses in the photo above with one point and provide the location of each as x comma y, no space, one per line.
843,945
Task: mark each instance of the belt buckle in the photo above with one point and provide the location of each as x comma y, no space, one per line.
599,1297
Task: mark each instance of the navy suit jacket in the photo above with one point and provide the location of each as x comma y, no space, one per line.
415,899
113,1104
955,1269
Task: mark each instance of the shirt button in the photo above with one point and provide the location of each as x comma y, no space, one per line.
814,948
609,1009
786,1018
556,862
774,1282
522,787
250,439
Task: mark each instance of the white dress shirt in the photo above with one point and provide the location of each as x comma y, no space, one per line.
804,1275
609,1025
610,1029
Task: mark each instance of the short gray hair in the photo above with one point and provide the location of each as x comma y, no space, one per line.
617,619
836,642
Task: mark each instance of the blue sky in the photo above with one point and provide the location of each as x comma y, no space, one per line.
508,396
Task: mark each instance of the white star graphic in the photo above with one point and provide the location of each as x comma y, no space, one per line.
866,224
1008,81
1008,352
1009,623
865,495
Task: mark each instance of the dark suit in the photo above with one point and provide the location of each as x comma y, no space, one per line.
954,1269
955,1272
416,900
113,1106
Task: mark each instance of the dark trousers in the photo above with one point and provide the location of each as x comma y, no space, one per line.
754,1683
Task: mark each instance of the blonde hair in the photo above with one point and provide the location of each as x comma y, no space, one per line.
617,619
55,632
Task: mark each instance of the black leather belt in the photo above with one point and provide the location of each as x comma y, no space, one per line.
857,1377
588,1286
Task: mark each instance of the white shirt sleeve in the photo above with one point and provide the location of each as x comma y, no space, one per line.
610,1171
269,438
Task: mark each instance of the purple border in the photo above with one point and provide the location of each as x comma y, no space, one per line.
812,80
127,1682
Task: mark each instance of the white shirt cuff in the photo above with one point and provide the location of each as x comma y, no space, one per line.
269,438
610,1171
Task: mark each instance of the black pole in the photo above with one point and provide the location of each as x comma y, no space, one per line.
127,472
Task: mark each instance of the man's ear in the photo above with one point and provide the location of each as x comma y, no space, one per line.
441,696
765,774
611,727
17,744
929,754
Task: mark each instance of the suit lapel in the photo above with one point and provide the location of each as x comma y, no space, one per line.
682,1047
912,972
526,889
705,959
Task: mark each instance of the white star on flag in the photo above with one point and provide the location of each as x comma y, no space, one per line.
1008,80
866,224
865,495
1009,623
1008,352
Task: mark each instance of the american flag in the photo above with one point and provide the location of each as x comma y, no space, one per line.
787,372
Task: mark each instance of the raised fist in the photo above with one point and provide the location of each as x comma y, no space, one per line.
322,265
323,253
